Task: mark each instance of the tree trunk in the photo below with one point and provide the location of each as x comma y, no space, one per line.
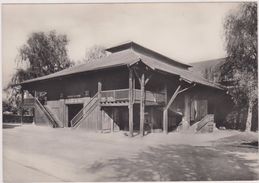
249,116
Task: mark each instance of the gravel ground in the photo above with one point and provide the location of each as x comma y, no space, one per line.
32,154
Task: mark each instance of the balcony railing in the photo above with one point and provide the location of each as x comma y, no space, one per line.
123,95
118,95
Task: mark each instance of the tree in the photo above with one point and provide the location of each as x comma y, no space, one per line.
241,63
13,95
42,54
94,53
6,106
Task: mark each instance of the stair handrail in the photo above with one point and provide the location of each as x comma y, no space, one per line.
73,123
203,119
95,104
46,112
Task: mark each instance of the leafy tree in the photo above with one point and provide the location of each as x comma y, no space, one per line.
42,54
6,106
94,53
241,63
13,98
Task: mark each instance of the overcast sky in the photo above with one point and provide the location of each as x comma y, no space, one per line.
187,32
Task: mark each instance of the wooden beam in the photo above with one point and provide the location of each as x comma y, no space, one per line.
103,119
99,119
115,104
152,115
166,93
147,80
142,105
34,108
130,106
133,87
194,84
99,89
165,111
112,121
137,75
187,108
173,97
165,121
22,93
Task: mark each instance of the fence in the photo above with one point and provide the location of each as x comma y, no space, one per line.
12,118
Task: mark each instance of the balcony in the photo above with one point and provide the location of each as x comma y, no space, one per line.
121,97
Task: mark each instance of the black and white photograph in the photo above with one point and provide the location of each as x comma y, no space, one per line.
129,91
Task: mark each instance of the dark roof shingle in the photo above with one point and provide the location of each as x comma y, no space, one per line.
129,57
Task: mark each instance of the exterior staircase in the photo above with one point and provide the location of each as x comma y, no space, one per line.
85,112
54,117
206,124
46,111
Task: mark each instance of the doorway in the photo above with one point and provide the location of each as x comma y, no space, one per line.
73,110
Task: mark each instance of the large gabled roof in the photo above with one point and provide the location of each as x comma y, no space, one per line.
187,75
146,51
213,64
128,57
121,58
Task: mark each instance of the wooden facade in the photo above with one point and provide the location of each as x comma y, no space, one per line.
127,97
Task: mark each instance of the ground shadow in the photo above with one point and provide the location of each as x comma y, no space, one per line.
253,144
238,143
176,163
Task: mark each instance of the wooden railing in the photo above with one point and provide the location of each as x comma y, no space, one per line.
123,94
84,111
115,95
150,96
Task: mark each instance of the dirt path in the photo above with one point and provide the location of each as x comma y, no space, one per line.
45,154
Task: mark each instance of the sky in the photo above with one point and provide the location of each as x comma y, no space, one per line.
186,32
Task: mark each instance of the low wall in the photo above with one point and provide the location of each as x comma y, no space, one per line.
11,118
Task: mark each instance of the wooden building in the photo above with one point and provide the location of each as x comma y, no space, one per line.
132,89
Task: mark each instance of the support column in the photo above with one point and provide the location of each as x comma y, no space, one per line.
131,103
152,113
103,119
99,120
142,105
165,111
34,108
112,121
165,121
187,108
22,101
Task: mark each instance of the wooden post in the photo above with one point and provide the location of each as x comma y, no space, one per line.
166,94
187,108
165,121
130,103
34,109
99,120
112,121
152,119
165,112
142,105
22,101
103,119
